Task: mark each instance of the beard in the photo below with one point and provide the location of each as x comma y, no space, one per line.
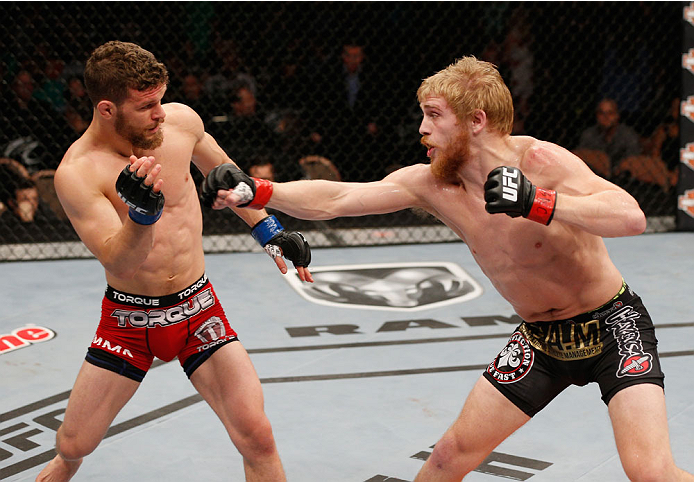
451,159
138,137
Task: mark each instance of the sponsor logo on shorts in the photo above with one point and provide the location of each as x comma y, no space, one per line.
169,316
211,333
565,341
110,346
134,300
211,330
601,314
514,361
192,289
635,361
23,337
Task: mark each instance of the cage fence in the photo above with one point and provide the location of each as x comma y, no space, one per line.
268,79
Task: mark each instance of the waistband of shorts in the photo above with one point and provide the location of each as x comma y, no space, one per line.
141,301
625,294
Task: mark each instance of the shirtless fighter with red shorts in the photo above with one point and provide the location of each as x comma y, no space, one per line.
127,189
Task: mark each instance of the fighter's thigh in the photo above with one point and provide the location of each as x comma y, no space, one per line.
96,398
639,421
487,418
229,383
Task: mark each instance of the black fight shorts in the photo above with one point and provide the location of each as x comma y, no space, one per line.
614,345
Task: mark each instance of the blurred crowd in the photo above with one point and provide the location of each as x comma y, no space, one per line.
323,107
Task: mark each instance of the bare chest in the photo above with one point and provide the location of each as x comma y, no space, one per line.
498,242
174,156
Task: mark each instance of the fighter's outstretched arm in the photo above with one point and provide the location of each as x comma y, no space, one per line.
320,199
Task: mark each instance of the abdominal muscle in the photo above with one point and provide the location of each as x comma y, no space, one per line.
546,272
176,260
557,297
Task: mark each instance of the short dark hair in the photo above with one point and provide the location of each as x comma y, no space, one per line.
116,66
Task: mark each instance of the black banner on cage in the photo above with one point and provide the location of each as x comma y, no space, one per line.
685,184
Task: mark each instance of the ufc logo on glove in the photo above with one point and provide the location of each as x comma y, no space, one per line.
510,188
508,191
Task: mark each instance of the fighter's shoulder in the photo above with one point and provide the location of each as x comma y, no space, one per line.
81,155
551,165
183,117
83,166
537,153
411,174
415,180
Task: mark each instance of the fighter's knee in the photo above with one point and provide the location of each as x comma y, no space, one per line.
650,469
445,450
450,455
256,439
71,447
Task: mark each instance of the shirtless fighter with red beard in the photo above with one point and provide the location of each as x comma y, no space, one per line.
533,216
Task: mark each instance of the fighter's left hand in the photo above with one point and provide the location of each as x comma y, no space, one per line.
277,243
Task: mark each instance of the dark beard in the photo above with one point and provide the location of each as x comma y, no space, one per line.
446,168
138,140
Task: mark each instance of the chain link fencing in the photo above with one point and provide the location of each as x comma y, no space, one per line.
269,80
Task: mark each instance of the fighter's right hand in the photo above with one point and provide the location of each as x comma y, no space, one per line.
252,192
137,189
508,191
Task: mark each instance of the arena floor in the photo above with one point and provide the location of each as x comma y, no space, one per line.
355,393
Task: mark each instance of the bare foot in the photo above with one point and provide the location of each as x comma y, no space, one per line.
59,470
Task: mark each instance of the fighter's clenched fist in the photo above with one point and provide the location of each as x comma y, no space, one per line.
138,187
508,191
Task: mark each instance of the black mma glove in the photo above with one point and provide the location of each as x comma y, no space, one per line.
257,192
508,191
271,235
145,205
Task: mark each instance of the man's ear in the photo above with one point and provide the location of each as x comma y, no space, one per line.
478,121
106,108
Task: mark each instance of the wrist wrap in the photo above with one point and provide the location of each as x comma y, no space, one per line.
266,229
146,219
542,208
263,193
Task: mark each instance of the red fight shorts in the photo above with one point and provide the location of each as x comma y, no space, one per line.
190,325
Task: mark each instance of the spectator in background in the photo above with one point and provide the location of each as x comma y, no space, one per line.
294,140
18,193
262,168
319,167
78,107
51,88
192,93
47,196
23,218
659,164
229,71
291,114
30,131
242,131
289,83
604,145
517,58
664,143
347,116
